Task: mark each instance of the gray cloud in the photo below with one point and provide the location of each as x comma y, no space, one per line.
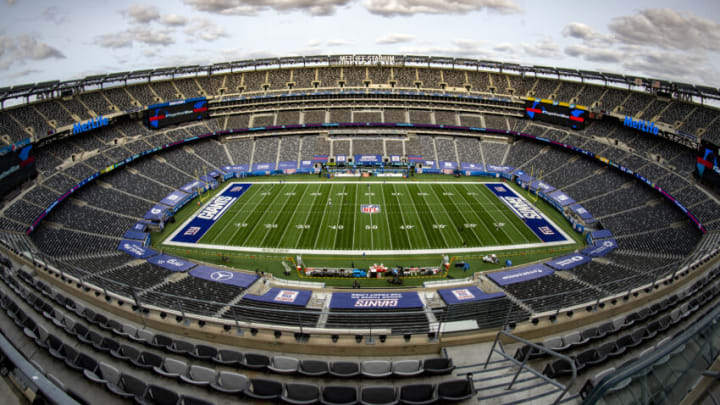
142,35
53,14
141,14
174,20
545,48
25,48
595,54
411,7
253,7
394,38
668,29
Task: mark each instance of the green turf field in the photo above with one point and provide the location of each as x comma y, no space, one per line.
318,217
222,253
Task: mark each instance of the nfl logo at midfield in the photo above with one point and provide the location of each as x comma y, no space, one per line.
370,208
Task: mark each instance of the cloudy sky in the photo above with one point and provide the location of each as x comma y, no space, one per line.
46,40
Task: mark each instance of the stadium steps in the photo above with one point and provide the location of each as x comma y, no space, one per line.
434,150
491,384
172,278
625,185
322,320
571,276
485,280
507,153
229,305
482,154
252,154
457,156
299,155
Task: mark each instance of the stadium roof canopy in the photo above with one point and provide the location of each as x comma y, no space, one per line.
55,87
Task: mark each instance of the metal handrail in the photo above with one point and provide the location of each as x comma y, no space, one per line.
525,358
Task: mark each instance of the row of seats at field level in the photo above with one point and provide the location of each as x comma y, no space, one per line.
615,348
227,357
131,387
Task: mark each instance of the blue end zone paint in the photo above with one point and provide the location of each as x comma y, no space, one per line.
532,218
195,229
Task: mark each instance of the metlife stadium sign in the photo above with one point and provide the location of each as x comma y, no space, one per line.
644,126
94,123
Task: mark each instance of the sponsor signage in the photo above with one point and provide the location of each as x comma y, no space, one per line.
453,296
236,168
93,123
136,249
520,275
375,300
367,159
193,187
193,230
644,126
532,217
287,165
235,278
581,212
306,164
538,185
568,262
171,263
173,199
499,169
395,159
601,248
263,167
283,296
135,235
448,165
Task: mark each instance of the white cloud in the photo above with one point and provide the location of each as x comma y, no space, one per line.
25,48
338,42
668,29
394,38
141,14
205,29
174,20
142,35
390,8
253,7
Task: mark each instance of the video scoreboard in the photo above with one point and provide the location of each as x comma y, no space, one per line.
571,115
162,115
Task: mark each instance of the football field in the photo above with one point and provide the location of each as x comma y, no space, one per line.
367,218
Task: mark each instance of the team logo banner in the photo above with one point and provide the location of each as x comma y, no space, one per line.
139,227
541,186
503,278
375,300
581,212
298,298
453,296
306,164
287,165
193,230
236,168
395,159
174,199
429,164
568,262
478,167
601,248
499,169
561,198
235,278
532,218
369,208
136,249
262,167
157,213
135,235
448,165
360,159
171,263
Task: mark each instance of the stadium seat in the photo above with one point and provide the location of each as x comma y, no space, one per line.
161,342
301,394
438,366
83,362
107,345
142,336
379,395
338,395
228,357
455,390
284,364
190,400
128,387
418,394
126,353
204,352
181,347
344,369
92,338
376,368
104,374
264,389
230,383
160,396
147,360
172,368
199,375
255,361
407,368
314,368
594,380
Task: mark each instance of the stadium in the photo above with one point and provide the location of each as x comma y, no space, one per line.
361,228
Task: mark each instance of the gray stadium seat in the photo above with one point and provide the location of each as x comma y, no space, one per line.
344,369
407,368
284,364
376,368
172,368
199,375
230,383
